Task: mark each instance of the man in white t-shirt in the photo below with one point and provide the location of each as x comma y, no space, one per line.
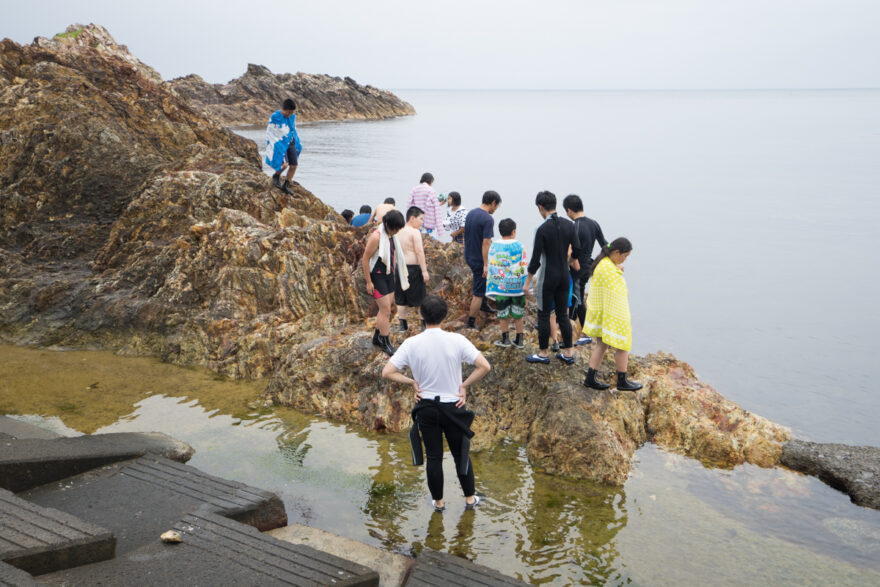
435,357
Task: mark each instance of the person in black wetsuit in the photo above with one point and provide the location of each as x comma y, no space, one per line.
550,254
589,232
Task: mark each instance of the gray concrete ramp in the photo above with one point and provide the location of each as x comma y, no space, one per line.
439,569
28,462
41,540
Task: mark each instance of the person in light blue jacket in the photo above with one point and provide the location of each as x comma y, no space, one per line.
282,144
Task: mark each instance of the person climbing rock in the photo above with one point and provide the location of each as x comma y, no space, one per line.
283,145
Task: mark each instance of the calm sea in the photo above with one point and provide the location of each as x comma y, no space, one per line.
753,216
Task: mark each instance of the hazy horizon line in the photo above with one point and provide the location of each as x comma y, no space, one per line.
795,89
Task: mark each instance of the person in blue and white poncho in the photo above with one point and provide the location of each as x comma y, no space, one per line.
282,144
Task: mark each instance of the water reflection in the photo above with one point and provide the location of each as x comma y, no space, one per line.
673,521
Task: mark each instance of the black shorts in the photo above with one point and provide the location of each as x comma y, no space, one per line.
415,295
292,155
383,282
479,288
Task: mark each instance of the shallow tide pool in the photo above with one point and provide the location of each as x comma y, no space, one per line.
673,522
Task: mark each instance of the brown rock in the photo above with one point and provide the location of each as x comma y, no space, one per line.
252,98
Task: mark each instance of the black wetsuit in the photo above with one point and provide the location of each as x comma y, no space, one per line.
552,240
589,232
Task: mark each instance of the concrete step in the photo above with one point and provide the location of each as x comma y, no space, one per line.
219,551
140,499
440,569
41,540
27,462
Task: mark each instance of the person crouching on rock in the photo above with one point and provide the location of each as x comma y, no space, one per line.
282,144
608,319
382,258
435,357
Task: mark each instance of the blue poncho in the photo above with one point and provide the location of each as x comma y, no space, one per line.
279,133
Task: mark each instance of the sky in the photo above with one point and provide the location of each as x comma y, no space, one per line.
476,44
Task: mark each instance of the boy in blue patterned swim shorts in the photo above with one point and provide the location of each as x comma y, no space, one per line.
505,280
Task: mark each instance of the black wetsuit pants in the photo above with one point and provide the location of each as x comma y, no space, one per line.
554,295
433,424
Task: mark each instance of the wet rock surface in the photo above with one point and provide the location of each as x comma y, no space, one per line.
855,470
130,221
253,97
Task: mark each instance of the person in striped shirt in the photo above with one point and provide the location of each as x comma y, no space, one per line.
423,196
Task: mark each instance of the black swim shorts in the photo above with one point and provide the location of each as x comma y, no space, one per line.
417,290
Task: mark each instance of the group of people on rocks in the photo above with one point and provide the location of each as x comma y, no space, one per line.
557,272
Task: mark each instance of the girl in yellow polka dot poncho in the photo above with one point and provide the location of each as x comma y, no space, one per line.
608,319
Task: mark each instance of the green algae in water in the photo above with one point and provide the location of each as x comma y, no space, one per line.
674,521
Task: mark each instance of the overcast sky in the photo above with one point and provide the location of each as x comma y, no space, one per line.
506,44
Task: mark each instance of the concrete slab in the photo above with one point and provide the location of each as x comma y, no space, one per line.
439,569
392,568
27,463
140,499
219,551
12,577
42,540
12,428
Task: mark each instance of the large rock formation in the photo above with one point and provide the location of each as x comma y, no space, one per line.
129,221
253,97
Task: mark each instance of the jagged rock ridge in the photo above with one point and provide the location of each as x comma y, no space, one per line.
253,97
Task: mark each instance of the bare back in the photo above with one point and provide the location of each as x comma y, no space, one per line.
381,210
410,241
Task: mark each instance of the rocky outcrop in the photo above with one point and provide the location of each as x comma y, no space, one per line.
253,97
130,221
855,470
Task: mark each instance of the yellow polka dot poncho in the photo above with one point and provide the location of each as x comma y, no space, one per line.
608,307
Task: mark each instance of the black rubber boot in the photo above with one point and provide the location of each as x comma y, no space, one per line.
472,322
623,384
592,382
386,346
285,187
518,341
276,180
376,341
403,326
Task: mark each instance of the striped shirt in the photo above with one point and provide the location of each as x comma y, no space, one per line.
424,196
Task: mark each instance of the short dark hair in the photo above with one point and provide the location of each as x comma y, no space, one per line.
433,309
506,227
414,211
573,202
365,209
455,198
393,221
347,214
288,104
546,200
427,178
389,201
491,197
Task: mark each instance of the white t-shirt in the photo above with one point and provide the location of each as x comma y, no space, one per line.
435,358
